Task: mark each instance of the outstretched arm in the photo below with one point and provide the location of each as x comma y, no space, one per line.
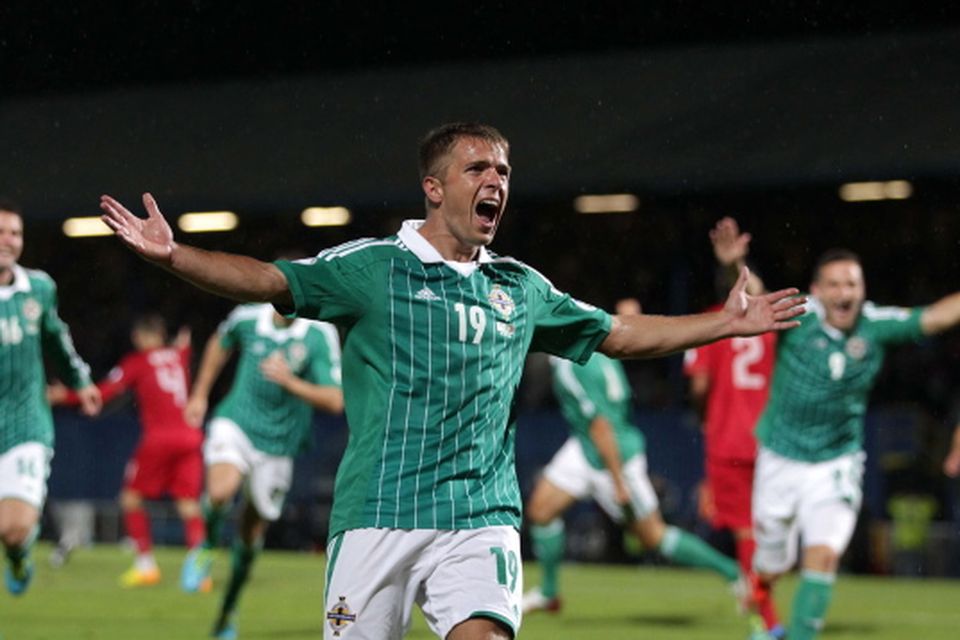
648,336
941,315
215,356
224,274
602,435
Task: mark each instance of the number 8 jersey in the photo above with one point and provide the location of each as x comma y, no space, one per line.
432,357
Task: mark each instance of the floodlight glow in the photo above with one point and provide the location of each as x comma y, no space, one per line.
612,203
874,191
85,227
325,216
205,221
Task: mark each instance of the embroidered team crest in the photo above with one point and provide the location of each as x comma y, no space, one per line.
501,302
31,310
856,347
340,616
296,354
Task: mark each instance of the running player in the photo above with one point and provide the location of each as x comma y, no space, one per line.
730,382
168,460
285,369
426,505
29,328
810,465
604,459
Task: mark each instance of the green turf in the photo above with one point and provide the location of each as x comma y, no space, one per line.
83,602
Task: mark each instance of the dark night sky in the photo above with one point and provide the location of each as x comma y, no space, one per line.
50,47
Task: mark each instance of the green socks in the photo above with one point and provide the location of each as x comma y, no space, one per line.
687,549
20,554
549,543
213,518
241,560
810,604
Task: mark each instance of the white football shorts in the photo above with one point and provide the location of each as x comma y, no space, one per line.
570,471
817,501
268,477
24,470
374,576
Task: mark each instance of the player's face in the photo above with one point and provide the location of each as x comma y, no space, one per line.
11,239
839,286
471,195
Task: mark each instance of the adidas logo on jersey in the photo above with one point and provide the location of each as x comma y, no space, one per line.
426,294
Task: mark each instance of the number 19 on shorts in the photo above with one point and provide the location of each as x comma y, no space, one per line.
508,567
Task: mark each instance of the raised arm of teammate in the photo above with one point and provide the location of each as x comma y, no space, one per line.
215,356
730,248
229,275
650,336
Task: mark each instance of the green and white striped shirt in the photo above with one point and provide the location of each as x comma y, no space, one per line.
598,387
276,421
823,377
432,357
29,329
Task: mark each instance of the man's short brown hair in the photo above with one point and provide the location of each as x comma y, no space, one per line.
435,146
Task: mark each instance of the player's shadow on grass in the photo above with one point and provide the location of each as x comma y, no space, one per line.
653,620
858,629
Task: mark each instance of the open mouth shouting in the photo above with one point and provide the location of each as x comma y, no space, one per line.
488,211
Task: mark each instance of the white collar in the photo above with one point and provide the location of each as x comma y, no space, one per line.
266,326
817,307
409,234
20,283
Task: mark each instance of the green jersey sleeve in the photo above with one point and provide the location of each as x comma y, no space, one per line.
325,364
893,324
563,325
334,285
229,329
57,342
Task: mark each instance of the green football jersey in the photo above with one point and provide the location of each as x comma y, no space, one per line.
822,379
276,421
432,357
598,387
30,329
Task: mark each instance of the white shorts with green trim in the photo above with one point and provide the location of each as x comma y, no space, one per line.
570,471
24,470
268,477
814,501
374,577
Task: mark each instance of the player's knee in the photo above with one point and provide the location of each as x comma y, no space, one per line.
15,534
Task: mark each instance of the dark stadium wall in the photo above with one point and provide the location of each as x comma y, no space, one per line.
669,120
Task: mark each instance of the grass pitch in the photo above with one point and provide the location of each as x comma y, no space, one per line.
82,601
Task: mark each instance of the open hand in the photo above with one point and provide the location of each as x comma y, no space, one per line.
150,237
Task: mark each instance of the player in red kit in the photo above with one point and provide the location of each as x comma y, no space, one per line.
168,458
730,382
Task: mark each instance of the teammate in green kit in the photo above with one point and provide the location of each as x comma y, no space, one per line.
29,329
810,464
605,459
286,368
436,328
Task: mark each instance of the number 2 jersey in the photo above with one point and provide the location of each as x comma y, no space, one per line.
432,357
822,380
739,370
30,329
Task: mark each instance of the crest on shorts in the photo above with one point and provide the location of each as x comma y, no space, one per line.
340,616
501,302
856,347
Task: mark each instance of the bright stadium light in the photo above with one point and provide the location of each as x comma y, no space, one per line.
612,203
205,221
86,227
873,191
325,216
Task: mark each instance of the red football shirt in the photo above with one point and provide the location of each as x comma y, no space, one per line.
739,370
160,381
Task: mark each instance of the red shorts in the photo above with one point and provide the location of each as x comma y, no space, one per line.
159,469
731,484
